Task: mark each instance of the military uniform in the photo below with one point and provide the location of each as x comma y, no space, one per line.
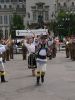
67,49
24,52
11,50
7,54
54,49
73,48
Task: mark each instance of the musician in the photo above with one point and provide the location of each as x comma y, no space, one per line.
41,60
31,58
24,51
2,69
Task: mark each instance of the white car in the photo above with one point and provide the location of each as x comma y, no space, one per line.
61,46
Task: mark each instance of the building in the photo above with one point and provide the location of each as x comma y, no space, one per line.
66,5
37,10
33,11
7,9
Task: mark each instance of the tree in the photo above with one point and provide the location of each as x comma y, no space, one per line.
65,23
16,24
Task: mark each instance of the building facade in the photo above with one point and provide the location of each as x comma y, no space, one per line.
7,9
66,5
39,9
32,11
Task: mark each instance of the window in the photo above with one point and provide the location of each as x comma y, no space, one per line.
10,6
23,6
34,16
40,13
6,34
28,15
64,4
2,1
5,6
46,7
1,21
1,32
5,19
24,0
20,0
72,3
13,0
46,16
7,1
58,4
40,6
17,6
10,19
0,7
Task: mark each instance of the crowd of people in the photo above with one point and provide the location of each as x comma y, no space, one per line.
36,49
39,48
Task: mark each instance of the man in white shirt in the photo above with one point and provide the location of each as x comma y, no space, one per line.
31,58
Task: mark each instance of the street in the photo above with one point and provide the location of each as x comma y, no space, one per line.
59,80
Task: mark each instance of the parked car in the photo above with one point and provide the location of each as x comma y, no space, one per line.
61,46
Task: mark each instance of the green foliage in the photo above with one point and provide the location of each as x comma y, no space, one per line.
17,24
61,14
65,23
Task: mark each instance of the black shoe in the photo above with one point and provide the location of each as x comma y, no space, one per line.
38,80
42,79
67,57
4,81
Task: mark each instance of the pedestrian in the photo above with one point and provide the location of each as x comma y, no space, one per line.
54,49
2,69
73,47
49,43
24,51
67,47
41,61
31,54
7,52
11,49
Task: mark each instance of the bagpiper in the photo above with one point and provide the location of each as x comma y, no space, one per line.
31,57
41,60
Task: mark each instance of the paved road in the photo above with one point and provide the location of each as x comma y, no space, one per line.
59,80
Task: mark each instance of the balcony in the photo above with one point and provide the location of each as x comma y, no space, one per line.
6,9
21,10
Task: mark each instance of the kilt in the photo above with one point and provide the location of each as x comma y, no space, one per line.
32,61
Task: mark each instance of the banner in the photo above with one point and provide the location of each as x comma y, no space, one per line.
31,32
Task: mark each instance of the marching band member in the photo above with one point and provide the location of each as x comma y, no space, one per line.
41,60
31,58
2,69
